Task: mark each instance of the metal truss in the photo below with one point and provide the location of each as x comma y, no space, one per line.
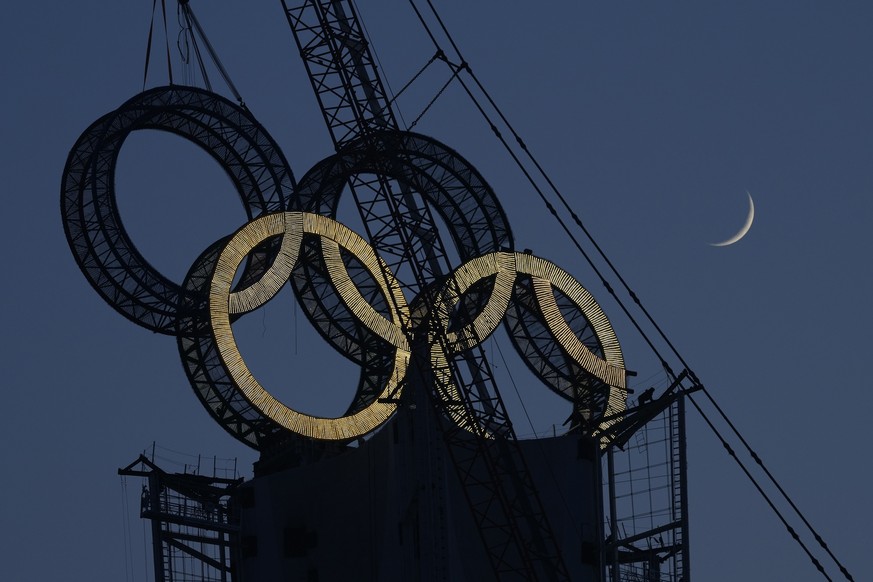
341,69
203,364
646,487
496,481
195,524
105,253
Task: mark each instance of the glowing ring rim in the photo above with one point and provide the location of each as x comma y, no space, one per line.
322,428
545,275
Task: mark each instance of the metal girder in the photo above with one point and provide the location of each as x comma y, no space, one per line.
341,69
192,514
105,253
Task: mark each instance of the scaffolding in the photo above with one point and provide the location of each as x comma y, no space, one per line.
646,492
194,521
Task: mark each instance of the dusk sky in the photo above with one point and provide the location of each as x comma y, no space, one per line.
653,118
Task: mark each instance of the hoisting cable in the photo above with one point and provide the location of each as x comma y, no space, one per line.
609,263
437,55
148,54
185,10
183,42
760,463
167,41
766,497
191,18
445,86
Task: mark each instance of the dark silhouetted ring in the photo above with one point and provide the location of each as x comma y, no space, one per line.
92,223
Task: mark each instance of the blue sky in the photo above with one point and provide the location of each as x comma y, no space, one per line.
654,119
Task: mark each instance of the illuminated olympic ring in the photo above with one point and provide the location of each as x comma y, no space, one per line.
105,253
504,266
223,303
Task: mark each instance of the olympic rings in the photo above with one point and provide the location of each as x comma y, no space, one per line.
346,289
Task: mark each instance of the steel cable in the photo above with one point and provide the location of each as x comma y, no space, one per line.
733,454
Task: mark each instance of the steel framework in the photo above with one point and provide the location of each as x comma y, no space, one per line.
195,523
646,489
105,253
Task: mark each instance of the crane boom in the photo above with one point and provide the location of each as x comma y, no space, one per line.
495,478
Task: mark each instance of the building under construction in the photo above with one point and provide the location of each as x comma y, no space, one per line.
424,477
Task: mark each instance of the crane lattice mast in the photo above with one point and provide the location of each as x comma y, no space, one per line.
357,111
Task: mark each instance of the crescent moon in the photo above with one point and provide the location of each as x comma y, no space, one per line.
744,229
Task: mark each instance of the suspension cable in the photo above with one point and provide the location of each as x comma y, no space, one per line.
782,491
186,14
435,97
191,18
754,481
167,40
436,56
148,52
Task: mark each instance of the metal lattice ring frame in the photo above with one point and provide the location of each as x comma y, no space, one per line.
505,268
103,250
223,303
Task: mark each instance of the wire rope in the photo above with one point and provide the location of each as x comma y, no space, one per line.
782,491
733,455
167,41
186,13
432,101
148,53
394,98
